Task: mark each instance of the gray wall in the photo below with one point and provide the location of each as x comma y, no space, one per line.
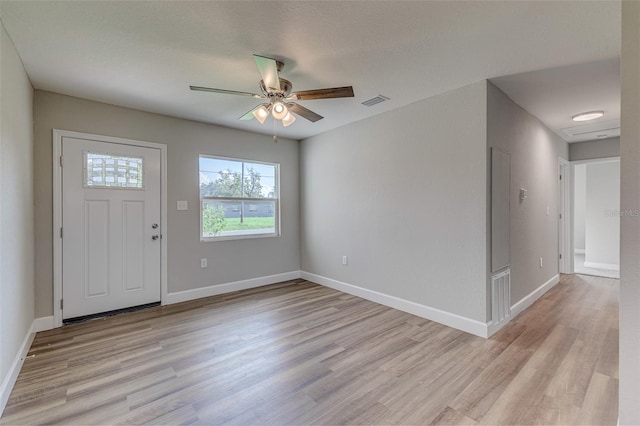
601,148
229,261
16,204
602,230
579,205
500,210
534,153
629,396
414,180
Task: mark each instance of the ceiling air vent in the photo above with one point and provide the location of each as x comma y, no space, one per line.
376,100
591,131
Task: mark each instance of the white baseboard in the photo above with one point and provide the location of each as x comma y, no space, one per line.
607,266
529,299
447,318
579,251
42,324
213,290
493,328
38,324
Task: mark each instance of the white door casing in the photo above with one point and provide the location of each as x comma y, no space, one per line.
107,255
565,243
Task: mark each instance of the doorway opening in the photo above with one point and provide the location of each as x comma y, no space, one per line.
596,217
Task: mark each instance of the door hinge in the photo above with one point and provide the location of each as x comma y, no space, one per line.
560,214
61,304
560,177
560,255
61,232
61,161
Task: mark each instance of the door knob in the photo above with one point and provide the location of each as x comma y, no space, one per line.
154,226
155,237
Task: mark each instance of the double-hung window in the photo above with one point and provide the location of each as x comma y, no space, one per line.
238,199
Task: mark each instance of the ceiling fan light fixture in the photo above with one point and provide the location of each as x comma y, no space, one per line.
288,119
277,93
261,114
587,116
279,110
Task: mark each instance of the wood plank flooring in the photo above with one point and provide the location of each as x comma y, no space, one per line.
299,353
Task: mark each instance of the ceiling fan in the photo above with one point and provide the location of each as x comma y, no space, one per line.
277,91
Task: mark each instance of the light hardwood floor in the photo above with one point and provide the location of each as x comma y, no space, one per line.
299,353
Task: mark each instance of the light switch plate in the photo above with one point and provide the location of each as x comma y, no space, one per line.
523,194
183,205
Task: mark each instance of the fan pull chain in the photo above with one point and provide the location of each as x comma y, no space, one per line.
275,132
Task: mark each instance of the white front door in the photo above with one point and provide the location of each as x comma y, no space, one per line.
110,226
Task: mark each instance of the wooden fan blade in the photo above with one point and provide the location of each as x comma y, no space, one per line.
333,92
269,71
304,112
228,92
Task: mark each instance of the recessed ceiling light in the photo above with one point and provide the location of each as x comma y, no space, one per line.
586,116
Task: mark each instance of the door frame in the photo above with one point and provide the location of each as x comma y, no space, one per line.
58,135
573,164
565,207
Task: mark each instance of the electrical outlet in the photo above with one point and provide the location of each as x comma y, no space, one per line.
203,262
345,260
541,262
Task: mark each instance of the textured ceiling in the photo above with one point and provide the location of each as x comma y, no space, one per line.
145,54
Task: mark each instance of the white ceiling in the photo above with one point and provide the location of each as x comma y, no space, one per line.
145,54
556,95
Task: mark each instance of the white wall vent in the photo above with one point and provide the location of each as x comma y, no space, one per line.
501,297
376,100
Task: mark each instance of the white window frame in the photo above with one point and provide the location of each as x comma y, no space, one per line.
242,200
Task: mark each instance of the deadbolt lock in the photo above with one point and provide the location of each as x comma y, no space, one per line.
154,226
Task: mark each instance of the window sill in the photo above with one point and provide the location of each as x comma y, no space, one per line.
237,237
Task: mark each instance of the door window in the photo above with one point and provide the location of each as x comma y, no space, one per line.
113,171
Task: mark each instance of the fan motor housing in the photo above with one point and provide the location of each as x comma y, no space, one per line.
285,88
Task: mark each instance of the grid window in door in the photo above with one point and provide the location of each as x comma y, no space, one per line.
238,198
113,171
